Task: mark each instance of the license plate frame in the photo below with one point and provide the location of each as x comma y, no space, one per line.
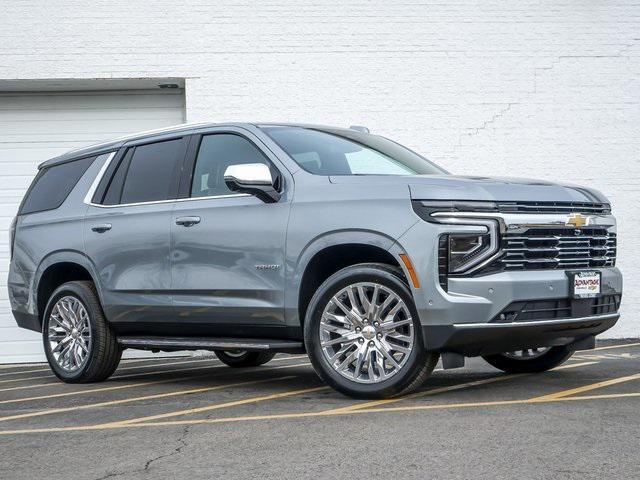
582,285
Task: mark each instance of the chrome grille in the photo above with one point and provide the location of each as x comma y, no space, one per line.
546,248
555,207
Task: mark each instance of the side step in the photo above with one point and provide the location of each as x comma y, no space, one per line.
172,344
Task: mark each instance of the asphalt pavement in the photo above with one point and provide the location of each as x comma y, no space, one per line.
195,418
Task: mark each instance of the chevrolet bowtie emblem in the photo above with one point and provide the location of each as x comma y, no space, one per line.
577,220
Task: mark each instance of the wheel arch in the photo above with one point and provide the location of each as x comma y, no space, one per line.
58,268
331,252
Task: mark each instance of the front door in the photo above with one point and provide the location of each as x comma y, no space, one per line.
228,248
127,234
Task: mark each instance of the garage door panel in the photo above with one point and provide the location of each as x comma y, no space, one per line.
127,100
8,210
20,168
25,348
11,335
20,182
41,130
31,154
37,127
5,221
19,117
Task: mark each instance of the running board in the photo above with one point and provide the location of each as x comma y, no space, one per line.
172,344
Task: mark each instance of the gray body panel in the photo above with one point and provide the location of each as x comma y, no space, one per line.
157,277
217,265
132,260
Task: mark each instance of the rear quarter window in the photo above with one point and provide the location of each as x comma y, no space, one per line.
52,185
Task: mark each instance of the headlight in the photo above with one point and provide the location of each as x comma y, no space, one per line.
466,251
474,242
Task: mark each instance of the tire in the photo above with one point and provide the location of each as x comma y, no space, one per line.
546,361
103,355
411,368
243,358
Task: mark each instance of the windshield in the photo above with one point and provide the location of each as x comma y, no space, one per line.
348,152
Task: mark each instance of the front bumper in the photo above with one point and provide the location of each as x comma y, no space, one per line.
474,339
462,318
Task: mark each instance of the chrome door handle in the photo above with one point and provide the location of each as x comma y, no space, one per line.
101,228
187,221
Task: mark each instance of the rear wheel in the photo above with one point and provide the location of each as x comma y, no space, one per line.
243,358
78,342
363,335
530,360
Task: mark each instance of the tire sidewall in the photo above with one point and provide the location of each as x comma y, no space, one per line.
72,290
328,289
551,359
246,360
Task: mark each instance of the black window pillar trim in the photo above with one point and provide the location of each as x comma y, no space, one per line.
188,164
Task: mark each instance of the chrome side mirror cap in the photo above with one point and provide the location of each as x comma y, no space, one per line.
254,179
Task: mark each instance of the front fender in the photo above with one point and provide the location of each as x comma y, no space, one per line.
297,262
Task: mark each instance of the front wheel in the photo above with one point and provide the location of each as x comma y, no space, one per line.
363,335
243,358
530,360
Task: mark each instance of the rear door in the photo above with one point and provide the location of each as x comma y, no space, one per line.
127,232
228,266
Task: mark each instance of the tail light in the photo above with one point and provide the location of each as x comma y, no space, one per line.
12,235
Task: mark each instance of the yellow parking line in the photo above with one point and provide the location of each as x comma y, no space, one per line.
601,397
284,416
136,375
106,389
218,406
586,388
141,398
140,384
125,362
610,347
435,391
13,380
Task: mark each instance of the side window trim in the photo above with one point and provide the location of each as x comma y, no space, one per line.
188,166
88,199
105,176
123,164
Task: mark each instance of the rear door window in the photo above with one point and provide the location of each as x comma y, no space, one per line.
53,184
152,173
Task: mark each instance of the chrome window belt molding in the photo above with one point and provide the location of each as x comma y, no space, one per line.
88,199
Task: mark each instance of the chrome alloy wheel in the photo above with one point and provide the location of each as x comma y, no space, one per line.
69,333
235,353
366,332
527,353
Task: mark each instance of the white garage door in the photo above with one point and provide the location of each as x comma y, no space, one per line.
38,126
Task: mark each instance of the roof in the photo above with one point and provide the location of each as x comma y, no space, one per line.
114,144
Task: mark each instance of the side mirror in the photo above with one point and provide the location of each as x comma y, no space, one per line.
254,179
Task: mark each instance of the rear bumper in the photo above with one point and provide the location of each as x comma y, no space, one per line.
27,320
472,339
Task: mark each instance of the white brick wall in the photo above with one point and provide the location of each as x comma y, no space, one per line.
545,89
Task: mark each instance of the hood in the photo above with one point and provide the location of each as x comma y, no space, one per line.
455,187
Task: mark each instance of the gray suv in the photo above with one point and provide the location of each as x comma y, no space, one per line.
253,239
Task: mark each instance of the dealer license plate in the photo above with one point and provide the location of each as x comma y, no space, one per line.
585,284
